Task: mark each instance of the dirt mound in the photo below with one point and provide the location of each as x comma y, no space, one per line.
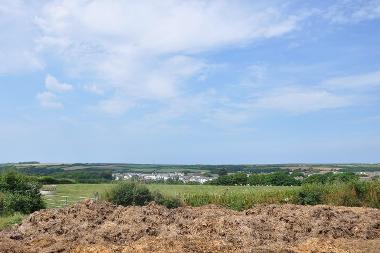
103,227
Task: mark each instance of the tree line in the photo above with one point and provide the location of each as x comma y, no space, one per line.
283,178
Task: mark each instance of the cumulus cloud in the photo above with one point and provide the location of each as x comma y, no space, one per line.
49,100
52,84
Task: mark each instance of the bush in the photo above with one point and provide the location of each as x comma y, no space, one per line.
2,209
23,203
15,182
19,193
341,194
354,194
129,193
311,194
169,202
372,194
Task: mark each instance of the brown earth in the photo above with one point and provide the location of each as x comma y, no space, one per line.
104,228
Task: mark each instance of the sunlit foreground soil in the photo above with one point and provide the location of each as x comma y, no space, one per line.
103,227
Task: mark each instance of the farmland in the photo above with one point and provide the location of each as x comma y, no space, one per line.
238,197
193,194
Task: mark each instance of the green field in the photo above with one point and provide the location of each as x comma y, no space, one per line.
236,197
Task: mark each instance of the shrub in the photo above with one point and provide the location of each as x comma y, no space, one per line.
311,194
19,193
15,182
2,209
129,193
341,194
169,202
372,196
359,194
23,203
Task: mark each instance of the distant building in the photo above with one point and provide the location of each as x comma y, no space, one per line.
189,177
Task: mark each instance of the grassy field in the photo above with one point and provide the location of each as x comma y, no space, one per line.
6,221
236,197
67,194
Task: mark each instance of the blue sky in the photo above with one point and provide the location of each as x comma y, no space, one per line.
190,81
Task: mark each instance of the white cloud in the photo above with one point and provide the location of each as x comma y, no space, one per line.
13,61
164,81
140,51
16,34
49,100
93,88
353,11
149,50
52,84
115,106
301,100
361,81
170,26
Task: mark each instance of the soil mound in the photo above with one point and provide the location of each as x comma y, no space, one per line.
100,227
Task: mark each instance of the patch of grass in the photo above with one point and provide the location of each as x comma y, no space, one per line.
358,193
240,200
67,194
9,220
